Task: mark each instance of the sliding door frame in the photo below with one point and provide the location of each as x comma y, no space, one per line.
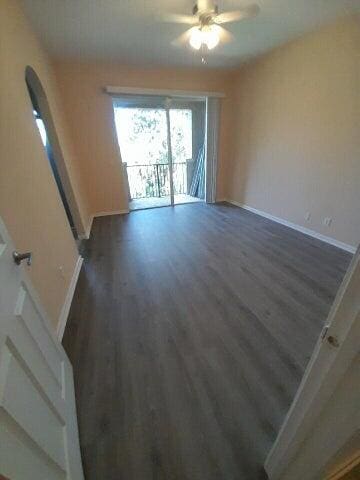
166,98
169,150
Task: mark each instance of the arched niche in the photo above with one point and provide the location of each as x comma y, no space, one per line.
53,149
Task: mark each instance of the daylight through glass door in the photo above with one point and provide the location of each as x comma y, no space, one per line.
150,172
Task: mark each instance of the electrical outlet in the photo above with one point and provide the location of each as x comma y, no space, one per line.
307,216
327,221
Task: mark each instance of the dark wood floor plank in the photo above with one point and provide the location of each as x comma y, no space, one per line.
189,333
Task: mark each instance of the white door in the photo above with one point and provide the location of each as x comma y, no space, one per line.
38,426
325,417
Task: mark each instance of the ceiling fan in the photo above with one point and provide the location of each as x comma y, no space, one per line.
206,31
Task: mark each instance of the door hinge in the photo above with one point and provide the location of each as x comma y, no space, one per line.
331,339
324,332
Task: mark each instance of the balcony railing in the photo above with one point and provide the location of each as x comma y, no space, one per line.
154,180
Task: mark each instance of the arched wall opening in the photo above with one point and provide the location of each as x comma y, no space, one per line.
45,123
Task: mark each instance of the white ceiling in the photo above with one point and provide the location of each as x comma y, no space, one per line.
130,31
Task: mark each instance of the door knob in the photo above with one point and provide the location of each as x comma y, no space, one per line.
19,257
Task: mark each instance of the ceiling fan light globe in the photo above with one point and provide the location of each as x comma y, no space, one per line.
196,39
211,37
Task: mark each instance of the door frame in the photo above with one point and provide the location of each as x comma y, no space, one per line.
167,104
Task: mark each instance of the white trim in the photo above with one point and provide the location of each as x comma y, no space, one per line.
112,90
86,235
294,226
113,212
68,299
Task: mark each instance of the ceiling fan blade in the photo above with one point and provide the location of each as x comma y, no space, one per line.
183,38
246,12
178,18
225,35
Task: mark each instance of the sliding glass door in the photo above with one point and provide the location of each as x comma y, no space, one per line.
159,149
143,141
187,126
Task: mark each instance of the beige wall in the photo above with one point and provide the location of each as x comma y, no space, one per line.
30,204
90,117
297,142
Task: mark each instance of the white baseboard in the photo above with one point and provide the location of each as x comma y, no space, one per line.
86,235
68,299
294,226
113,212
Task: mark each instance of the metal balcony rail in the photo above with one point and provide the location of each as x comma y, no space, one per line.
153,180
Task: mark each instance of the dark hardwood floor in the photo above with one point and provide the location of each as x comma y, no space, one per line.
189,332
